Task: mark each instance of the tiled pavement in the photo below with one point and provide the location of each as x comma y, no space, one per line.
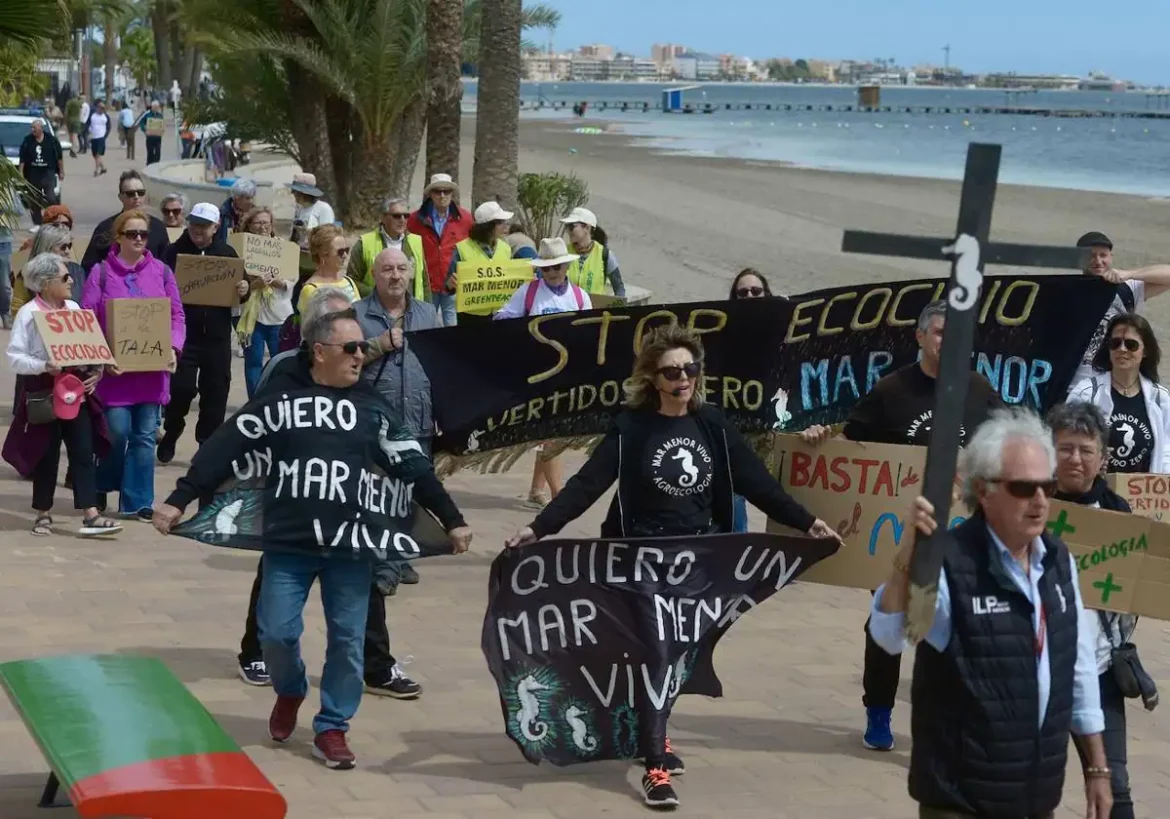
784,742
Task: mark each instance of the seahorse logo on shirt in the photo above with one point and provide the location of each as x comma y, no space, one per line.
690,471
1128,442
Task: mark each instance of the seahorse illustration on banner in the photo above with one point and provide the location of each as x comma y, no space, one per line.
527,717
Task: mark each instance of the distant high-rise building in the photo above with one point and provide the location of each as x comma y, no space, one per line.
664,53
597,51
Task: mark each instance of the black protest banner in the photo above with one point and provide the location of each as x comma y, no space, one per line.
771,363
316,471
591,642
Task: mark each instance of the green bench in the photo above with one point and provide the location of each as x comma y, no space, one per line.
126,738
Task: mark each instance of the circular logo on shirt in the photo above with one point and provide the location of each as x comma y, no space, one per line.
1132,440
681,467
923,424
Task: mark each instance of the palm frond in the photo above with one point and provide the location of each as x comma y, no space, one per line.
24,22
540,15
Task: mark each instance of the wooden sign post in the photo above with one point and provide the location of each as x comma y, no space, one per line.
968,252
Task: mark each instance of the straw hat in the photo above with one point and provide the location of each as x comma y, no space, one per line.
441,180
552,253
306,183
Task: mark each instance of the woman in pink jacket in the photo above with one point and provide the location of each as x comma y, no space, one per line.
133,400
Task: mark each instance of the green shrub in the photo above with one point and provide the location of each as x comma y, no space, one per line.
544,198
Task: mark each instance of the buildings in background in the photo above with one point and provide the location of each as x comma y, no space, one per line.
598,62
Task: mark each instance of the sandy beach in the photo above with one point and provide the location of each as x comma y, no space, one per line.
682,226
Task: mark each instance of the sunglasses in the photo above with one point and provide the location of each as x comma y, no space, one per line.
173,211
691,370
342,251
1025,490
350,347
137,193
443,192
398,215
745,292
136,234
1131,344
66,246
64,223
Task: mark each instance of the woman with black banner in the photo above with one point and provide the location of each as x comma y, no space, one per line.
1127,391
54,406
1081,434
678,463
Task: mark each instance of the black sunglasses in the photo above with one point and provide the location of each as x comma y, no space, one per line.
744,292
1131,344
136,234
1027,489
350,347
173,211
398,215
137,192
691,370
66,246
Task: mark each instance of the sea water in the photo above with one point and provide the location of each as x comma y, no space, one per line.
1111,154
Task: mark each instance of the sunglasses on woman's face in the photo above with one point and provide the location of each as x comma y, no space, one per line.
350,347
136,234
749,292
691,370
1131,344
342,251
1024,490
66,247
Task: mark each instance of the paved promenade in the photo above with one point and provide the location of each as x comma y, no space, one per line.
784,742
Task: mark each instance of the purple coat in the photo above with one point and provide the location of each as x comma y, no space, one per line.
150,278
26,444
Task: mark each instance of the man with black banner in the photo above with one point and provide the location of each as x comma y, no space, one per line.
899,410
1008,666
309,520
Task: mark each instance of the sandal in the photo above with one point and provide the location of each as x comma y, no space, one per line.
99,525
43,526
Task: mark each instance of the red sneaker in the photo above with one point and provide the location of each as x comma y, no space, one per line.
283,719
331,748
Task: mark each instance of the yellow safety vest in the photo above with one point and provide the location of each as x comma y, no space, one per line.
590,275
412,247
471,251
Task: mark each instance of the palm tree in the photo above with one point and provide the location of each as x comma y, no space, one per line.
355,74
497,121
444,87
535,15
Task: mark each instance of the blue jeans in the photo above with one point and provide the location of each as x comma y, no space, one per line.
445,303
345,595
740,521
5,283
264,336
128,469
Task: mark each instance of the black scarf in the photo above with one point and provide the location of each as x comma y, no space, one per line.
1099,493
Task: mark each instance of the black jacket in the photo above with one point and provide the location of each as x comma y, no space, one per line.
292,373
1098,493
204,323
103,237
737,471
979,746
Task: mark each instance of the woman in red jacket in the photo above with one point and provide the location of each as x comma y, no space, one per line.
442,224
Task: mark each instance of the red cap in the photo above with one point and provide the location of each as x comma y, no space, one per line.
68,395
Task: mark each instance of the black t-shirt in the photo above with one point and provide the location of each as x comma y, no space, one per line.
674,488
39,158
1131,440
900,408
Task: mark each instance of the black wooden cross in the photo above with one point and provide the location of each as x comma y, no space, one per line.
968,252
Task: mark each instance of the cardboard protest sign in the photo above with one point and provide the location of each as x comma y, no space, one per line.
174,233
485,287
209,280
1147,495
73,338
582,636
80,245
155,126
864,491
265,255
18,260
600,301
139,331
770,363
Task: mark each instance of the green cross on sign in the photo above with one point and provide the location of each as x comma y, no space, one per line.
1061,525
1107,586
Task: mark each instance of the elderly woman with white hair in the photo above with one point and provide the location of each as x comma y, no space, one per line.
54,405
235,207
173,207
1009,667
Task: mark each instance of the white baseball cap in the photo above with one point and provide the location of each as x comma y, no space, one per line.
491,212
583,215
204,213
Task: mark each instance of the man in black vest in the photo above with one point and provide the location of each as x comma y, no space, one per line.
1009,666
900,410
